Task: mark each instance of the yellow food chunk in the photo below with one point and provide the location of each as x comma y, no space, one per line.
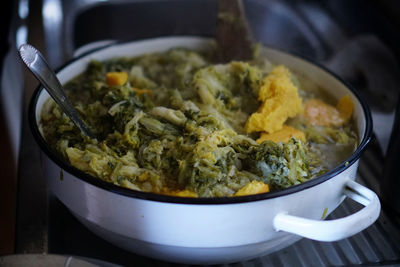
179,193
280,102
283,135
317,112
116,78
142,91
345,106
252,188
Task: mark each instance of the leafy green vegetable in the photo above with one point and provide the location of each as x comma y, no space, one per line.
178,124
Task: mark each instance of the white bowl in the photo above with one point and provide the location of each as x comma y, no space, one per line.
211,230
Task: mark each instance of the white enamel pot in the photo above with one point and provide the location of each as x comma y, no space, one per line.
213,230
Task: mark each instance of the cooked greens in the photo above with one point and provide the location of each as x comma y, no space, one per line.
173,123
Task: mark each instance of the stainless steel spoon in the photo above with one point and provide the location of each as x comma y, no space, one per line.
38,65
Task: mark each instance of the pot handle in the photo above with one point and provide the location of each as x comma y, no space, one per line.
333,230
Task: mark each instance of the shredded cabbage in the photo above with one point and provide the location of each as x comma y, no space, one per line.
177,125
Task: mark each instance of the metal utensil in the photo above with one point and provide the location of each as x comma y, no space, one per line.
234,36
38,65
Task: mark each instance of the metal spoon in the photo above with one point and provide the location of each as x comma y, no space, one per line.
38,65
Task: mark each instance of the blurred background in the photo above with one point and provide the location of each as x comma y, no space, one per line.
358,40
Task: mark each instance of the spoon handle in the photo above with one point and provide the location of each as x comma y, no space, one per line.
234,37
37,64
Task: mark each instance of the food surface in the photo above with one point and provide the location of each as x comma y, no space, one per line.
173,123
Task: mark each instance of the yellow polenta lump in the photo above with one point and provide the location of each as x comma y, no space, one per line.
252,188
280,101
179,193
345,106
283,135
116,78
317,112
